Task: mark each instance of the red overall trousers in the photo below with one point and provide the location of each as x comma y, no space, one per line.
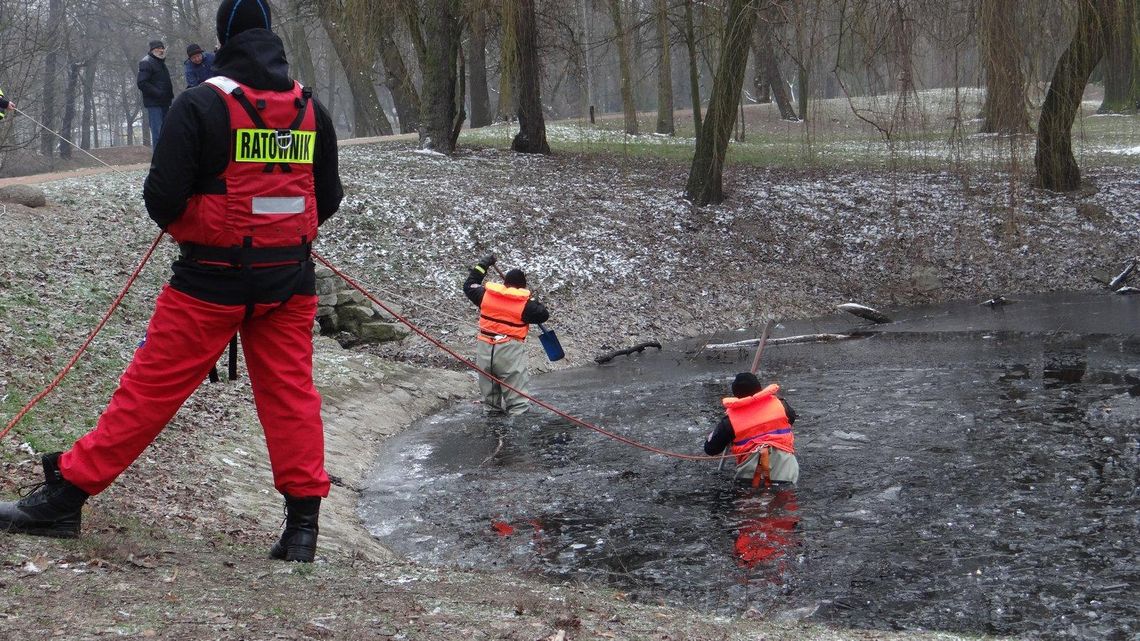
183,341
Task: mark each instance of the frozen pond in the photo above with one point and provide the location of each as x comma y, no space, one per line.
965,468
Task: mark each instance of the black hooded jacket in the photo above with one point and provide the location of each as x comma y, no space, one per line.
193,151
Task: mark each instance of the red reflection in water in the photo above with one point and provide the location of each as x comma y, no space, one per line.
768,535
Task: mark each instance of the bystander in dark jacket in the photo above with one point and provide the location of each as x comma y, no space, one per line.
156,87
198,66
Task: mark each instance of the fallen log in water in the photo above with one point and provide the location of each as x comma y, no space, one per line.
605,358
787,340
862,311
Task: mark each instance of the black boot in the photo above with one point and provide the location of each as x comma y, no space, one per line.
299,540
54,508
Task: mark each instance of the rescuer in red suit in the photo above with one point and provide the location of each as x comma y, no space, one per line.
243,173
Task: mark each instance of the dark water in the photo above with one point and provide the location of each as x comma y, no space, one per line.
963,469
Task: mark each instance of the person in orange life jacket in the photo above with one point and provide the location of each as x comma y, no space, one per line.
756,420
505,313
244,223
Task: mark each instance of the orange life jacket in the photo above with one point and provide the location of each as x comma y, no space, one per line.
269,200
759,420
500,314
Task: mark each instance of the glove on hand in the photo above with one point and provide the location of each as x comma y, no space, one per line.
487,261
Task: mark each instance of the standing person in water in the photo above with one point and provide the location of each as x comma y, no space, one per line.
506,312
757,427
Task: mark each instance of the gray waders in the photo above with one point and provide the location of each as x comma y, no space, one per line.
507,362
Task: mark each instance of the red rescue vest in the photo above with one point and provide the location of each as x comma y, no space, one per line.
500,314
269,198
759,420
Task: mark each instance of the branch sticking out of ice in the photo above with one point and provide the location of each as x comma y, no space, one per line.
1115,283
862,311
996,301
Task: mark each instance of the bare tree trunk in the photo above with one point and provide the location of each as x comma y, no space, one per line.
300,55
705,175
67,127
768,62
508,63
477,69
331,99
87,120
441,27
621,35
1006,109
399,82
130,111
761,85
369,114
802,73
664,72
694,69
460,93
1057,169
902,59
1121,58
51,75
531,138
588,30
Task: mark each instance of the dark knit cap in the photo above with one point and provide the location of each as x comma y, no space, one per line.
155,44
193,49
515,278
745,384
236,16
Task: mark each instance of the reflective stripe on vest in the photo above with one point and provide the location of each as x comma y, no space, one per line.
278,205
500,313
269,198
758,420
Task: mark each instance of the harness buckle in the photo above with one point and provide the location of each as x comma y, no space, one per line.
284,138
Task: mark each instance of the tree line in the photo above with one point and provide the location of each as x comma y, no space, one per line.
432,67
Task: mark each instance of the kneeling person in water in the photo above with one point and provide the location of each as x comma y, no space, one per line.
757,426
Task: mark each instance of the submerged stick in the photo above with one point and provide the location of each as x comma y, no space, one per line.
862,311
605,358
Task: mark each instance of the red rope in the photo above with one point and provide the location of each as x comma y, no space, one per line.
468,363
150,252
90,337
